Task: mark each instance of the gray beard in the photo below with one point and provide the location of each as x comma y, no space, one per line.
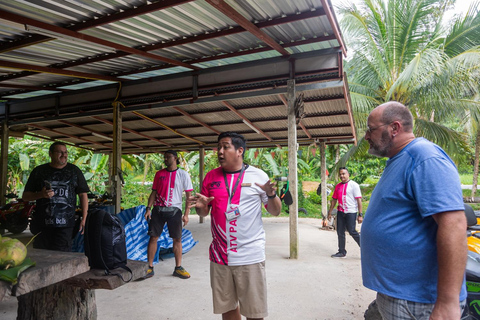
383,148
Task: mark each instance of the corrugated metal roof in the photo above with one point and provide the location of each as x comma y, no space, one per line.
175,60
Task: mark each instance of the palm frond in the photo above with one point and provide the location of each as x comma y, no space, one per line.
454,143
355,152
464,33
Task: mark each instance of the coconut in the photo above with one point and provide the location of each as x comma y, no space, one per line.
12,253
4,239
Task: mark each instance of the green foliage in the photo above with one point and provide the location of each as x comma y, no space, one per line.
466,178
135,194
367,168
312,203
403,52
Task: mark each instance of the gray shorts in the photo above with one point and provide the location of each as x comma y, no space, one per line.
158,220
245,285
397,309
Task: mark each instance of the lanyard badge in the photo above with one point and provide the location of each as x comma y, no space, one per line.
232,212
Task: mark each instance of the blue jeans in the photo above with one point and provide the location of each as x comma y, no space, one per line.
346,221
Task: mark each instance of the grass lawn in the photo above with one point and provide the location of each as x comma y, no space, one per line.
466,178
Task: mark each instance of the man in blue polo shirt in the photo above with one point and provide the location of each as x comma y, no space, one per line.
413,240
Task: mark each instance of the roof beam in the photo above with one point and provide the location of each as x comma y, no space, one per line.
92,23
73,34
334,24
67,135
167,127
68,73
346,93
238,29
195,119
122,15
178,42
246,121
51,139
233,54
98,133
334,139
31,88
132,131
266,131
227,10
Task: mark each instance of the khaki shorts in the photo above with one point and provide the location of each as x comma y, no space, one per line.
244,285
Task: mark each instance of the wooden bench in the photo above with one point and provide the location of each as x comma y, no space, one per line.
62,286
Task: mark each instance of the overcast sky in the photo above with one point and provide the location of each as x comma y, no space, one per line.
461,6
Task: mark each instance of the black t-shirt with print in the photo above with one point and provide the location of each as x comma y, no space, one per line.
58,211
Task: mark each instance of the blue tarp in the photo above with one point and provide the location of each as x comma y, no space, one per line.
136,228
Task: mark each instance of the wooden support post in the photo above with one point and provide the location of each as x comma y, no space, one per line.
111,185
4,162
292,169
323,167
201,173
117,156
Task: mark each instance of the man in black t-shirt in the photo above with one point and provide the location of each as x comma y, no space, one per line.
54,186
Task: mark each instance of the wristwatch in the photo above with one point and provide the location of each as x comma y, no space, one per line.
272,197
148,208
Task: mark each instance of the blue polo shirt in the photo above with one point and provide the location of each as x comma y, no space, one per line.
399,251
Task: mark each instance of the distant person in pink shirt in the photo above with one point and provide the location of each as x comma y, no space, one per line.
349,197
166,198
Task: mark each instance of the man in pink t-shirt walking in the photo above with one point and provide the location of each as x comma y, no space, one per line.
166,196
349,197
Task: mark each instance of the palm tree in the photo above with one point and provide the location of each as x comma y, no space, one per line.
403,50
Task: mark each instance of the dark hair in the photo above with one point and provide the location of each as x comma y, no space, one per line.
56,143
173,153
343,168
395,111
238,140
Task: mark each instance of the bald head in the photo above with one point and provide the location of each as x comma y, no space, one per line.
390,129
395,111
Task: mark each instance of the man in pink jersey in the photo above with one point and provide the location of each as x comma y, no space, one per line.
234,194
166,196
349,198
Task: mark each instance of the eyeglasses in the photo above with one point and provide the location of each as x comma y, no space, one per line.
370,130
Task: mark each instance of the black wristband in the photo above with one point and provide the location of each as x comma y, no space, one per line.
148,208
272,197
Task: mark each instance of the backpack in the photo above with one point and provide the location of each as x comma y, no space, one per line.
105,243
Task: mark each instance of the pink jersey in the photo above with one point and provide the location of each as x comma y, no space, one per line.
240,241
170,186
347,194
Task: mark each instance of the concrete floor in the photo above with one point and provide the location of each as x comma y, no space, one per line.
314,286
